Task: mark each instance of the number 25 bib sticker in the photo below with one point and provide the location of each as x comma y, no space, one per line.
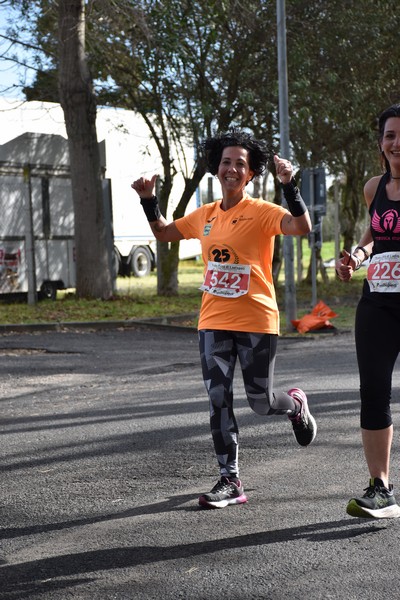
384,272
226,279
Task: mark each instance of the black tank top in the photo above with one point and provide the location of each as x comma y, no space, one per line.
385,220
385,230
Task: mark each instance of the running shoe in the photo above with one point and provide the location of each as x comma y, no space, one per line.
224,492
378,502
304,425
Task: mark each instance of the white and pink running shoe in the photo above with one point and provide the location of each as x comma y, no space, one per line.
304,425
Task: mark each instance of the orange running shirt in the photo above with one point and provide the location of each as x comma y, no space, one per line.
241,241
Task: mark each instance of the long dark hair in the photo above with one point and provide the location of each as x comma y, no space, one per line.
392,111
258,151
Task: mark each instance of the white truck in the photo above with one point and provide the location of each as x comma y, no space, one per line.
37,228
130,153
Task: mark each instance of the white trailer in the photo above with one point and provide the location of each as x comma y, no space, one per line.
37,217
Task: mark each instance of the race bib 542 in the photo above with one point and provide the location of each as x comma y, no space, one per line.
227,280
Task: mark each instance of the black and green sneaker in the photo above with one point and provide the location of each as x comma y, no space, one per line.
378,502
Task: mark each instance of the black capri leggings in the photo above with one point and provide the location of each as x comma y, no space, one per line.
377,334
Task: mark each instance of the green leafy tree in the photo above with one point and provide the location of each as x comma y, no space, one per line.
187,68
343,64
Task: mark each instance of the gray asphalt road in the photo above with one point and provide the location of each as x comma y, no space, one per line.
106,447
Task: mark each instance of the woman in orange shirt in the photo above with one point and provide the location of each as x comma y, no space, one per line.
239,315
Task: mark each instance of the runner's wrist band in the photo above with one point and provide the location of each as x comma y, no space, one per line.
357,260
294,201
151,208
363,250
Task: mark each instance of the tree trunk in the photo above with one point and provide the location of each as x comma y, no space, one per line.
168,254
167,269
93,263
320,268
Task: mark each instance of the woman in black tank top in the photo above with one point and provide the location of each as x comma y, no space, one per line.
377,325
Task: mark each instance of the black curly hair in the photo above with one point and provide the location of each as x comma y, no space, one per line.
258,151
392,111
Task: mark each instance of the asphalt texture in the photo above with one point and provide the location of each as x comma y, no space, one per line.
105,448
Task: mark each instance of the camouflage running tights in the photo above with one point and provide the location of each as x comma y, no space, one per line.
219,350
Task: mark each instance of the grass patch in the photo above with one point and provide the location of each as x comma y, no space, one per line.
137,298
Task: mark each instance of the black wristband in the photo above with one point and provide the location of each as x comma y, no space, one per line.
151,208
294,201
363,250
